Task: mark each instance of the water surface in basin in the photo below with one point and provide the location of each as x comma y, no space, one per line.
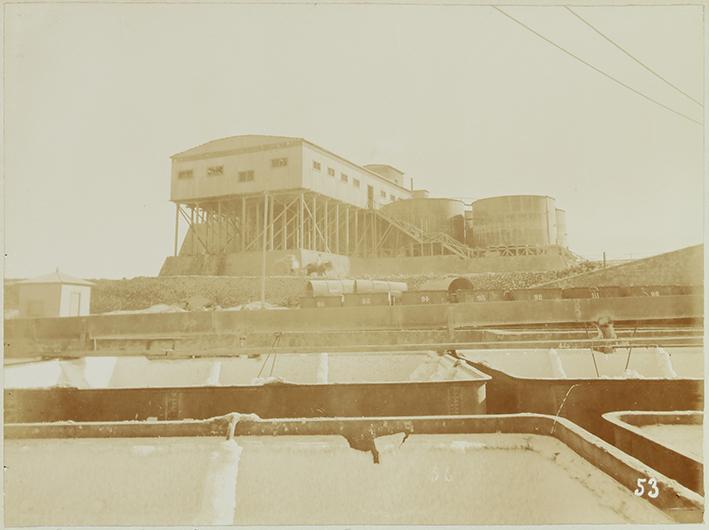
653,362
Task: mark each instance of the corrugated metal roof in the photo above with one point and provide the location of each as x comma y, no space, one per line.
57,277
235,142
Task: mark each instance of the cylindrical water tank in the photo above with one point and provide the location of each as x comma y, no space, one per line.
431,215
561,228
515,220
468,219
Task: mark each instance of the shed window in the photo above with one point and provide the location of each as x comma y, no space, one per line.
344,178
279,162
331,172
187,174
246,176
355,182
383,194
215,170
316,165
392,198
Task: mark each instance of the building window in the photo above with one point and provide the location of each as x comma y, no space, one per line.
187,174
316,165
215,170
392,198
355,182
344,178
383,194
331,172
246,176
279,162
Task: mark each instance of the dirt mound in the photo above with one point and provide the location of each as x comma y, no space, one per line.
680,267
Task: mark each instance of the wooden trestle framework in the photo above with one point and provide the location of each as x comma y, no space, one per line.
309,221
294,220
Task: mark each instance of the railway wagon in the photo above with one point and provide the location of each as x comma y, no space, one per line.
419,297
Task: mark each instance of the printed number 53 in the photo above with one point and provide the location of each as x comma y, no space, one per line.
653,491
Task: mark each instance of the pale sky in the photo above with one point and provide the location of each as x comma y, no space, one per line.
97,98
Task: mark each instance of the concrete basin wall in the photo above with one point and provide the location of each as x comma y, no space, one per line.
303,385
428,316
476,469
324,368
583,400
670,442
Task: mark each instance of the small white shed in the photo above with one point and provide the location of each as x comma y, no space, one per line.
54,295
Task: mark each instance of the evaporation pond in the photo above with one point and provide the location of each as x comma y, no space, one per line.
141,372
653,362
427,479
687,439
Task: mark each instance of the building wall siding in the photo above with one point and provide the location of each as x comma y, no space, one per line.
40,300
298,174
333,186
266,177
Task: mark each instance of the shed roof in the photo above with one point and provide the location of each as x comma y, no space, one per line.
56,277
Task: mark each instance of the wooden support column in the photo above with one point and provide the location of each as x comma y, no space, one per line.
198,224
220,229
258,231
337,227
270,222
313,240
326,226
263,249
192,229
347,231
356,232
205,222
242,225
284,225
301,221
373,221
177,226
366,229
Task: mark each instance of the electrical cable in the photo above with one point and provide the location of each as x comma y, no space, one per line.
626,52
595,68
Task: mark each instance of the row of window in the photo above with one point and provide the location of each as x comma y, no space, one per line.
345,178
248,176
244,176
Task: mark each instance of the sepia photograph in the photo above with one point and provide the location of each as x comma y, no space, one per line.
353,263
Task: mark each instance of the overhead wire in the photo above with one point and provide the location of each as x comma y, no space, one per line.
626,52
595,68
